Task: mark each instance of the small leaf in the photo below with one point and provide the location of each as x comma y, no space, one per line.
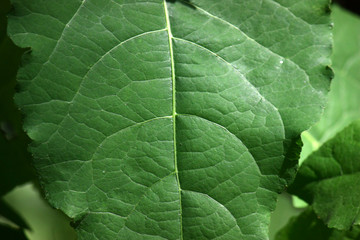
330,177
308,226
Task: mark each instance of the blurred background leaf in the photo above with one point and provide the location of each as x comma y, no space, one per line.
283,213
22,208
8,233
45,222
329,179
12,216
14,158
344,97
308,226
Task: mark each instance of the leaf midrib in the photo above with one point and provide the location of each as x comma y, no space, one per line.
168,27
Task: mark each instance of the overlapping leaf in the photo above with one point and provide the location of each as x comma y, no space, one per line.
308,226
344,96
14,159
329,179
170,120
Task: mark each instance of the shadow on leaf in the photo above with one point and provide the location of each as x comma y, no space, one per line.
187,3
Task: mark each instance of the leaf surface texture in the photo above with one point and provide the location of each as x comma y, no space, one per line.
329,179
308,225
344,97
170,120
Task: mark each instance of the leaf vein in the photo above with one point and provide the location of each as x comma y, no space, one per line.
250,38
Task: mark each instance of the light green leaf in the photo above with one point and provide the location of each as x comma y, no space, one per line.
45,222
8,212
308,226
283,213
170,120
344,96
330,177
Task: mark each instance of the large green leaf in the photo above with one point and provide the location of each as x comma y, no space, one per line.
308,226
344,96
170,120
330,177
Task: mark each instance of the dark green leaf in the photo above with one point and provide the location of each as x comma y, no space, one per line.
170,120
308,226
330,178
344,96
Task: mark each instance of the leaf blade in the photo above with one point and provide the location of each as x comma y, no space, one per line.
131,107
332,173
309,225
